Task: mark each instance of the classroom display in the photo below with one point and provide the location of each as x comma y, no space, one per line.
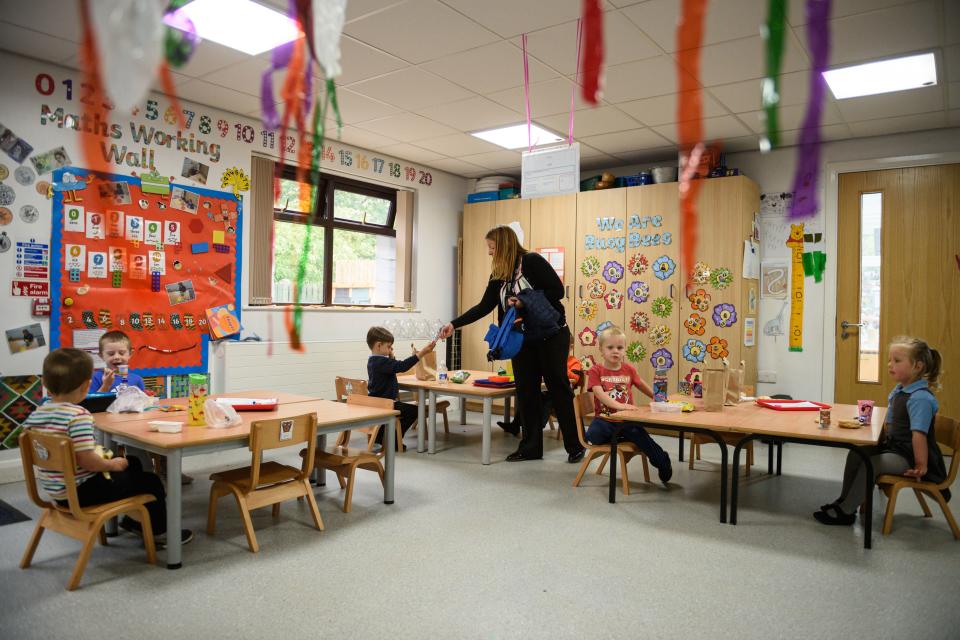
144,256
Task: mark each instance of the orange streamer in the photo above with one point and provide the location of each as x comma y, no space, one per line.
94,108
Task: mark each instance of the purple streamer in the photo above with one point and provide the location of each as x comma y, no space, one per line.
279,59
804,203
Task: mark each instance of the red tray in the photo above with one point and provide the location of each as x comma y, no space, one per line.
785,405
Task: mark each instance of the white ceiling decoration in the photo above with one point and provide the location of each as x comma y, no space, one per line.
419,75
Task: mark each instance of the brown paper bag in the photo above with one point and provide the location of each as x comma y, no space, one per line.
426,367
734,385
714,388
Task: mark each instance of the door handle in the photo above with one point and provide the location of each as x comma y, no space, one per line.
567,294
846,325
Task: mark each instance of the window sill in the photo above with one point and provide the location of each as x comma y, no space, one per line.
334,309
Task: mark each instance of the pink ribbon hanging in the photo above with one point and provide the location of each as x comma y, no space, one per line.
526,90
573,92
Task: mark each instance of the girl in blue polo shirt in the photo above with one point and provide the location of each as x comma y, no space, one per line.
909,447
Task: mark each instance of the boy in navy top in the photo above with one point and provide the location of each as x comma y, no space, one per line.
115,352
382,370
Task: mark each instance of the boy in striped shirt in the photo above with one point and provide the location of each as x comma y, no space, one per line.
66,375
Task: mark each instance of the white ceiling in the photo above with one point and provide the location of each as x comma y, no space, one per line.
418,75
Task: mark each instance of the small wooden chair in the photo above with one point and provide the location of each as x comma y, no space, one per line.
626,451
269,483
731,439
948,435
344,461
359,387
578,388
56,453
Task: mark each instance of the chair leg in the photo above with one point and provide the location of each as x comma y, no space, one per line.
275,512
646,468
341,481
625,481
923,504
446,423
694,451
891,506
102,536
603,463
147,528
583,467
312,501
33,543
212,509
749,464
946,513
78,568
247,523
351,479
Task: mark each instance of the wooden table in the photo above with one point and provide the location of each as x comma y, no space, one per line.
332,417
180,416
463,391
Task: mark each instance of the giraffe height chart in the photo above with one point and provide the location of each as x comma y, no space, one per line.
795,243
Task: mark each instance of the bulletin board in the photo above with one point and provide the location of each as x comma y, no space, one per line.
145,256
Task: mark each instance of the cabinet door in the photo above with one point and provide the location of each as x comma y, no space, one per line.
601,247
652,283
515,210
553,223
478,218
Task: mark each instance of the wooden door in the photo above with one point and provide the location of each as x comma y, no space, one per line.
601,272
652,283
553,223
515,210
898,274
478,218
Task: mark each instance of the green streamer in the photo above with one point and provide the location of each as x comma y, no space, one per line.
772,33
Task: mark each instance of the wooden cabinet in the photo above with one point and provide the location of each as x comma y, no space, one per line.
553,223
474,274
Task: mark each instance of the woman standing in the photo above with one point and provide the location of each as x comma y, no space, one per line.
540,359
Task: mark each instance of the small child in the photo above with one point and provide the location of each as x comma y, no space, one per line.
382,370
66,375
909,447
116,352
611,383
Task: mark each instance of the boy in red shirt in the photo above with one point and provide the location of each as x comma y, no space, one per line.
611,383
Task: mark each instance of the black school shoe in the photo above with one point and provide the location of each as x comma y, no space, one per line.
665,470
834,515
160,541
510,427
519,456
574,458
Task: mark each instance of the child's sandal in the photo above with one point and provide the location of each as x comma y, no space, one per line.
837,517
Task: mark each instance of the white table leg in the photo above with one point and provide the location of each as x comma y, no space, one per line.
174,505
432,419
463,410
421,419
389,460
487,410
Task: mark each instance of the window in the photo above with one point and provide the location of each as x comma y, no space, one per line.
351,258
871,215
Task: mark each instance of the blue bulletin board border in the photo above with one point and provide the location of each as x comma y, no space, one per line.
56,264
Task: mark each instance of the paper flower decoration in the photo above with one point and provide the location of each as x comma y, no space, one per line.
660,335
587,362
587,309
699,300
590,266
724,315
694,350
721,278
588,337
701,273
235,177
662,306
695,324
717,348
614,299
636,352
638,264
639,322
661,359
613,272
663,267
596,288
638,291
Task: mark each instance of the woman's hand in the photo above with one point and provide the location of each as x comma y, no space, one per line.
445,332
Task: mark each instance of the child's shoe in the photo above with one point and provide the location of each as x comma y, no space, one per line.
665,470
186,536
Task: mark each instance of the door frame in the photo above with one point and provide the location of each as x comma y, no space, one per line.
831,217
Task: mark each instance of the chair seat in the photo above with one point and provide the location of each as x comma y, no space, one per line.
108,507
344,455
270,473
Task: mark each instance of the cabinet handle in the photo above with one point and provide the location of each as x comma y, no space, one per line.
580,291
567,294
671,291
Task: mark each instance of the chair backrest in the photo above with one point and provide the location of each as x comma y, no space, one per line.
52,452
279,433
362,400
582,408
947,432
359,386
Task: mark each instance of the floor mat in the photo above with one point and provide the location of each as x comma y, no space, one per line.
9,515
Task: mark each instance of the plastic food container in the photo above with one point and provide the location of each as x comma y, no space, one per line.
664,174
165,426
666,407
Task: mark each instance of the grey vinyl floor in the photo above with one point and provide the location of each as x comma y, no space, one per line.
510,550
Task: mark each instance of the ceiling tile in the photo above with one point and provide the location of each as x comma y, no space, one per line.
490,68
360,61
406,127
886,126
898,29
411,88
797,15
744,59
953,95
546,98
355,108
641,79
500,160
745,96
359,8
513,17
951,22
586,151
590,122
666,155
419,30
36,45
215,96
458,167
52,17
951,61
626,141
363,138
405,151
719,128
472,114
888,105
209,57
457,144
828,133
663,109
790,117
726,21
953,117
245,76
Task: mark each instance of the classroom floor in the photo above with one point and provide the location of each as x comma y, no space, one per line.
507,551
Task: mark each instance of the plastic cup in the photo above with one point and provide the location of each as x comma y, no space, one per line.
865,411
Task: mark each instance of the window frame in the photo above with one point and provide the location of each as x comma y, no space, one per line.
323,217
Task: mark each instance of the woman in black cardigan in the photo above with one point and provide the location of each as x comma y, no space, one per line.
516,269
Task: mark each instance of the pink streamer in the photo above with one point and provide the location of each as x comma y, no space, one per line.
573,92
526,90
804,203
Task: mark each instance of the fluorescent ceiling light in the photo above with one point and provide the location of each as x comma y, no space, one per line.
239,24
885,76
515,136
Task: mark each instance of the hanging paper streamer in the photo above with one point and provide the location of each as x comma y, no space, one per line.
690,123
180,39
592,62
94,106
526,88
795,243
327,18
279,59
772,33
128,38
804,203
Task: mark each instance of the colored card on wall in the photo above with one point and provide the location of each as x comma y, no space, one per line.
97,264
95,226
75,257
134,228
118,259
171,232
157,263
218,237
73,219
115,224
152,233
138,267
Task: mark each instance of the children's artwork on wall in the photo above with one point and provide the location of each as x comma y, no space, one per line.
236,179
775,327
773,280
19,396
195,170
25,338
752,299
136,271
795,242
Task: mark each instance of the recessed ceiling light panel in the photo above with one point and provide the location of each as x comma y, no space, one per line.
515,136
239,24
885,76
